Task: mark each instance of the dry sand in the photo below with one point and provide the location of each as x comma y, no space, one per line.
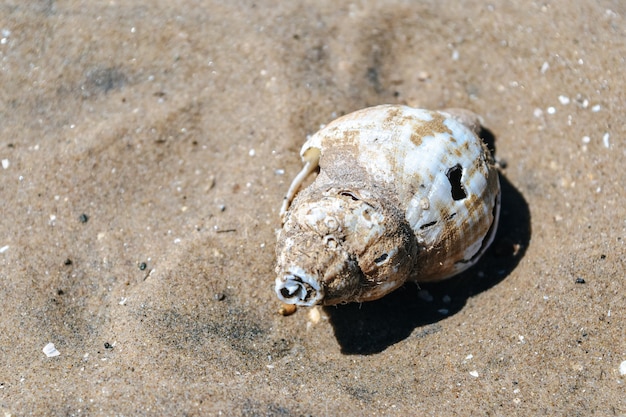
174,127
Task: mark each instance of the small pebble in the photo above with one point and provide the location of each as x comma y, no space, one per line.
287,309
142,266
107,345
314,315
622,368
580,280
423,75
605,140
219,296
564,100
83,218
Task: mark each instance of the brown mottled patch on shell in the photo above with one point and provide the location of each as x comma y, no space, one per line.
339,163
430,128
393,114
459,151
448,249
348,136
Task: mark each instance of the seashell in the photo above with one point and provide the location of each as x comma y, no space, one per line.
402,194
50,350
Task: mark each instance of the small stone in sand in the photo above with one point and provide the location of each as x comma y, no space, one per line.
287,309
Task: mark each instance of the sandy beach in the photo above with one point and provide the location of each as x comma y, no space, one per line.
146,147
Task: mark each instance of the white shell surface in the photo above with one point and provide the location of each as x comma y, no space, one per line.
429,166
50,351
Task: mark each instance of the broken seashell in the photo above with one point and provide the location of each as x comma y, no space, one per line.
50,351
402,194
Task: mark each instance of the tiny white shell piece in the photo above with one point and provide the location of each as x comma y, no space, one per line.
402,194
50,351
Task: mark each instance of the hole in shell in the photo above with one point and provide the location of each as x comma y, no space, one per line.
427,225
454,175
350,195
381,259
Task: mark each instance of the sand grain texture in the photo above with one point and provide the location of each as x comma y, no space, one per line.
168,125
